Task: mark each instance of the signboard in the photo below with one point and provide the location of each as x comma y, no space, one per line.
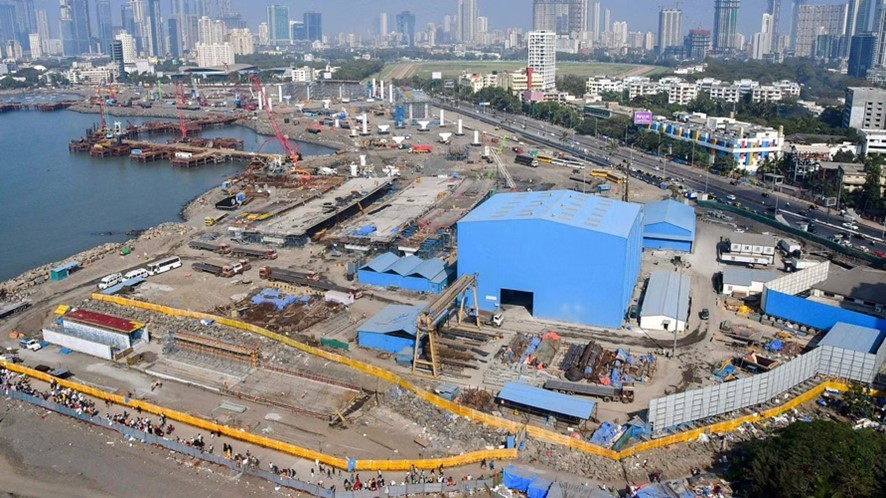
449,84
643,118
436,75
830,201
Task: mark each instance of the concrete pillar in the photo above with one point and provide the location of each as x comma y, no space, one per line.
461,130
476,137
362,160
442,119
365,125
410,113
427,111
373,88
279,94
382,87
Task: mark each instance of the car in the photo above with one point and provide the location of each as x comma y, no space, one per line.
858,235
739,230
704,314
730,197
850,225
765,194
813,207
30,343
787,204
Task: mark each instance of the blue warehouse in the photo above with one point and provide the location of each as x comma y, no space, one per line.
408,273
393,329
562,254
668,225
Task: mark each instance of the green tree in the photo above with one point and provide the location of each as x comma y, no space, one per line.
810,459
572,84
844,156
870,196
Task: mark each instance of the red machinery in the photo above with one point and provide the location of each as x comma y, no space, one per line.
290,150
180,101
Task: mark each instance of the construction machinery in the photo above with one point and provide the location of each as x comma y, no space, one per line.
499,164
180,102
438,310
291,151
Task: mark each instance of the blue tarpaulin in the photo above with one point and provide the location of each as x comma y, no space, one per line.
275,297
775,346
514,477
538,488
605,434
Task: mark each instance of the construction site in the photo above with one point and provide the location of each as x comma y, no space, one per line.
334,303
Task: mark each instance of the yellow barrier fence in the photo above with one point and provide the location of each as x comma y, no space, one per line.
478,416
265,442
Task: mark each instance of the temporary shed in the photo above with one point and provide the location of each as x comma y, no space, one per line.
743,282
852,352
409,273
96,334
666,302
392,329
64,271
524,245
543,402
669,225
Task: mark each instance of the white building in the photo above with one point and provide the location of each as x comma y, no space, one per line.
210,31
85,74
729,93
666,302
128,42
303,74
872,142
263,35
599,84
743,282
543,58
766,93
682,93
214,54
242,41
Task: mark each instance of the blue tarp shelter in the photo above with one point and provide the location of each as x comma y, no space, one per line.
62,272
393,329
514,477
538,488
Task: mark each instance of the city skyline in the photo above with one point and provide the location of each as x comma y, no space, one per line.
698,14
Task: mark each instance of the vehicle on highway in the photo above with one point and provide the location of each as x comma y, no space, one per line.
739,230
813,207
765,194
730,197
850,225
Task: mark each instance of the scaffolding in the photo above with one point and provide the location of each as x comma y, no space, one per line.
217,349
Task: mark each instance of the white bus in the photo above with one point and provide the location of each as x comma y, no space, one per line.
164,265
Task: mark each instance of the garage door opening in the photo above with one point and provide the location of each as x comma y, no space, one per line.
510,297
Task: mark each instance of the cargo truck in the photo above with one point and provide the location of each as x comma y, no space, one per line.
214,269
254,253
205,246
608,393
526,161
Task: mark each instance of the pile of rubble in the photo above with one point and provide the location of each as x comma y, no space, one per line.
463,434
40,274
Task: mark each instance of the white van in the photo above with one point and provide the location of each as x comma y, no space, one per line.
140,272
110,281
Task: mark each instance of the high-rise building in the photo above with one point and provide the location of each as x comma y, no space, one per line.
75,26
815,20
595,22
406,28
241,41
607,20
862,49
104,24
214,54
43,25
542,60
8,23
466,21
297,31
858,18
264,35
670,29
383,25
761,44
565,17
25,22
154,27
36,45
278,24
313,26
482,28
773,8
619,34
697,44
864,108
116,51
211,30
726,25
174,36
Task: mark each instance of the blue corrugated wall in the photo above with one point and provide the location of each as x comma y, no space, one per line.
416,284
576,275
670,245
384,342
813,314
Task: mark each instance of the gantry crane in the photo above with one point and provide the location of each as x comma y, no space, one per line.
499,164
436,312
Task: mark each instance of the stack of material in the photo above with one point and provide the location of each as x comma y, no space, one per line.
477,399
276,298
606,435
547,349
632,368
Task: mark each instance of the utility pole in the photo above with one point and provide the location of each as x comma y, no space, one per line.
677,322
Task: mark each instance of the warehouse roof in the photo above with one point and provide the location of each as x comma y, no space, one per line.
101,320
550,401
744,276
669,211
861,282
667,295
392,319
853,337
433,269
568,207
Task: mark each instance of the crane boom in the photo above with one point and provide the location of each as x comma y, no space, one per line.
179,102
290,150
499,164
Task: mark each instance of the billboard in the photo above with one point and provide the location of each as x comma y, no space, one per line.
437,75
449,84
643,118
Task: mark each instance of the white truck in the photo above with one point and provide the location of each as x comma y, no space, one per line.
789,246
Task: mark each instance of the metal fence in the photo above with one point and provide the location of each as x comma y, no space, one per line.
235,468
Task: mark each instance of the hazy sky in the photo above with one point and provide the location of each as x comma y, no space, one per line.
361,15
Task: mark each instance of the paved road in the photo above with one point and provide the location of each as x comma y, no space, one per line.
598,151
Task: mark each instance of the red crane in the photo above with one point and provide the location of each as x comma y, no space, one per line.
180,101
290,150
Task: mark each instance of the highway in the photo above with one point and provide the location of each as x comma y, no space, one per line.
827,222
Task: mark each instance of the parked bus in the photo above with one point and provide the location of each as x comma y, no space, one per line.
164,265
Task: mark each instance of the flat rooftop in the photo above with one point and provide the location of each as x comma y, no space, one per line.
853,337
299,220
752,239
101,320
862,283
387,221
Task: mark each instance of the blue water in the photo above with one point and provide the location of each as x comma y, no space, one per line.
56,203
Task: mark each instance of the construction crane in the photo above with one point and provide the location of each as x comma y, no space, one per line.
290,150
180,101
436,312
499,164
